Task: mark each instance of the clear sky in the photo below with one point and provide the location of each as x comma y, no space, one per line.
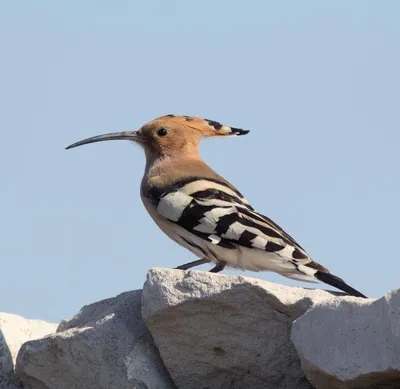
316,82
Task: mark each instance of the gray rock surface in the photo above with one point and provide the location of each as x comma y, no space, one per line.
210,331
14,331
216,331
351,344
105,346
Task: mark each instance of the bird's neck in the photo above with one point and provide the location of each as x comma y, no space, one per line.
162,171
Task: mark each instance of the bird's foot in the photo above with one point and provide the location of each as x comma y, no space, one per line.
218,267
189,265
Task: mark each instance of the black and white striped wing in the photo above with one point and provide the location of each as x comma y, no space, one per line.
219,214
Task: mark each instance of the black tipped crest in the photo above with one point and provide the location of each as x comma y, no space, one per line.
214,124
197,122
239,131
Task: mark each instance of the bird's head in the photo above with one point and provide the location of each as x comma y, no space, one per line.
170,134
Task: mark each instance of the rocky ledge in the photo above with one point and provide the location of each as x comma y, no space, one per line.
197,330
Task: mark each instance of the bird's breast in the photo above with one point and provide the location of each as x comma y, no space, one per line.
163,224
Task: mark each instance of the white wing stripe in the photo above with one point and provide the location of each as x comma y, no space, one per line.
172,205
216,213
209,222
199,185
219,202
236,229
259,242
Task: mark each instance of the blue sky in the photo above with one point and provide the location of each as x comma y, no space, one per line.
317,83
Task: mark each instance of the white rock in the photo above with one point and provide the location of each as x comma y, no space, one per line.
351,343
216,331
14,331
105,346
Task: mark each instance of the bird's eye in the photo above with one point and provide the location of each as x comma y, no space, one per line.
162,132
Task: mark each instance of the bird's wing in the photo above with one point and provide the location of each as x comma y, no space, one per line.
218,213
215,211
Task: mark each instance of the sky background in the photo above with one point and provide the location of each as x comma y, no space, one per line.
317,83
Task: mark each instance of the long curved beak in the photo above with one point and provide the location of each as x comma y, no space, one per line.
125,135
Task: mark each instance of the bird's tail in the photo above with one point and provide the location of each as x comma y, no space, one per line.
337,282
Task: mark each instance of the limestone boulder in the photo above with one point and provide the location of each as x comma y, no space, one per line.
351,343
218,331
199,330
106,345
14,331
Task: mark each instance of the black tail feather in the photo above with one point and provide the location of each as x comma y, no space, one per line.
337,282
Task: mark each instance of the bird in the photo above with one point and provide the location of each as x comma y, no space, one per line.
203,212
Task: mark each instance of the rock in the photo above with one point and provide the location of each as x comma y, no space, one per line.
212,332
14,331
106,345
351,343
216,331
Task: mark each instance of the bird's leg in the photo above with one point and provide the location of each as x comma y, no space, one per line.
218,267
189,265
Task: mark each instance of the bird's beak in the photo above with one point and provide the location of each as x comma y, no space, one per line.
125,135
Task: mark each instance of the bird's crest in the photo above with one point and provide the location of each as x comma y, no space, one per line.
208,127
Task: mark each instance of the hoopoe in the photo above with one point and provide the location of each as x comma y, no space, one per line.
206,214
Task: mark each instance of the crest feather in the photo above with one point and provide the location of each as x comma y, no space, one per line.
217,128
